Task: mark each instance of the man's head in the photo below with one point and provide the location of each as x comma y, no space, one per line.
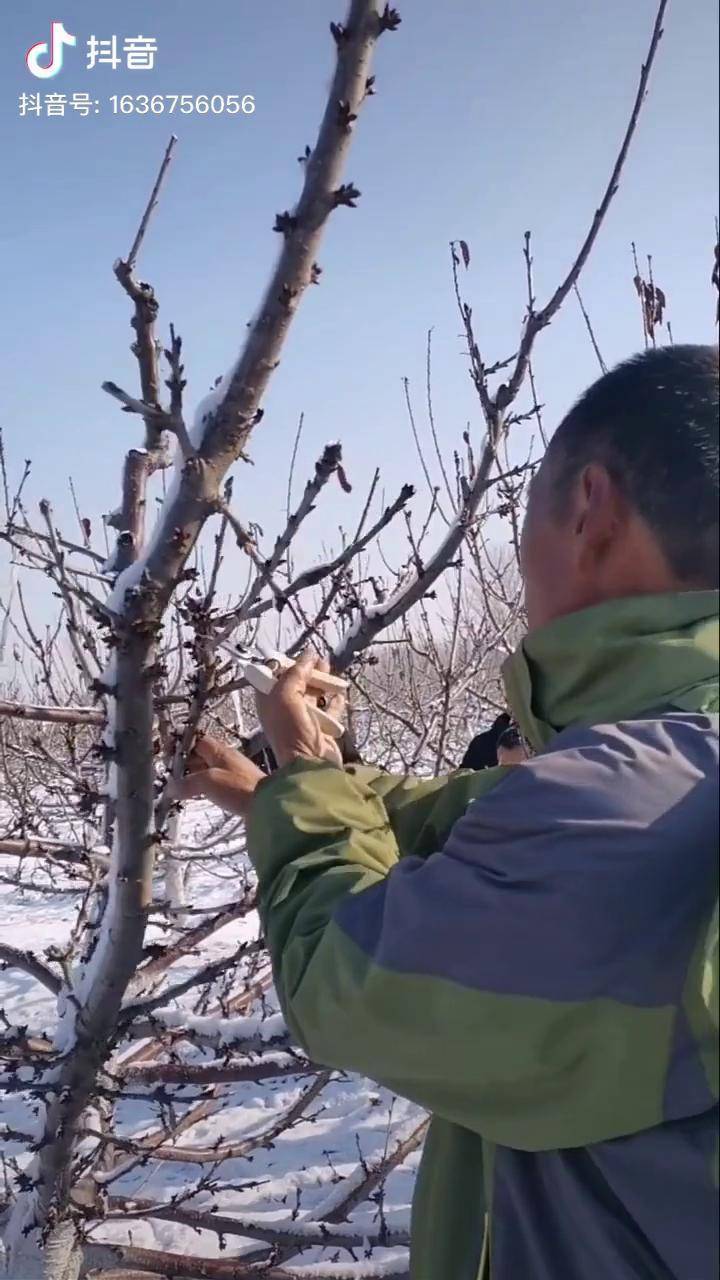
511,748
626,499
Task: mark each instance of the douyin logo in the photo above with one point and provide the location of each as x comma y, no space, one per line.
45,59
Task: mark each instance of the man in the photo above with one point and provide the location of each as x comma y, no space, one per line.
482,750
510,747
538,968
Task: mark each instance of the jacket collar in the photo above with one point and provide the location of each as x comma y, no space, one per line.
614,661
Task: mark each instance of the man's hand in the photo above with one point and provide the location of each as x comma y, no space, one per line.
289,724
220,774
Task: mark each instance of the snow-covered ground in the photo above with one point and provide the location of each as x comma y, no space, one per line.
282,1177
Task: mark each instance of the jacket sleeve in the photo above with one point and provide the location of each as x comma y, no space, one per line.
515,983
422,811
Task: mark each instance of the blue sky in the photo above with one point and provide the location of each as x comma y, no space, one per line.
491,117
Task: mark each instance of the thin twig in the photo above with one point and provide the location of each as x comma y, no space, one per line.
590,329
151,204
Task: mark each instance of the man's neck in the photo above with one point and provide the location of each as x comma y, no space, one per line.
615,660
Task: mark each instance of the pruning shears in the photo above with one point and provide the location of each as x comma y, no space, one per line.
260,670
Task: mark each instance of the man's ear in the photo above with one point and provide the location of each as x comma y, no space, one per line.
599,515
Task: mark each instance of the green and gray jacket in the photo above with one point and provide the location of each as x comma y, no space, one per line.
531,954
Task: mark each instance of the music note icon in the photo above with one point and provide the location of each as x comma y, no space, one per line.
58,38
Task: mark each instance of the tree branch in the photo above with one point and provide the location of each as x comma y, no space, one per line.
13,958
51,715
269,1067
494,407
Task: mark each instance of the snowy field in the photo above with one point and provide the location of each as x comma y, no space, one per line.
284,1163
